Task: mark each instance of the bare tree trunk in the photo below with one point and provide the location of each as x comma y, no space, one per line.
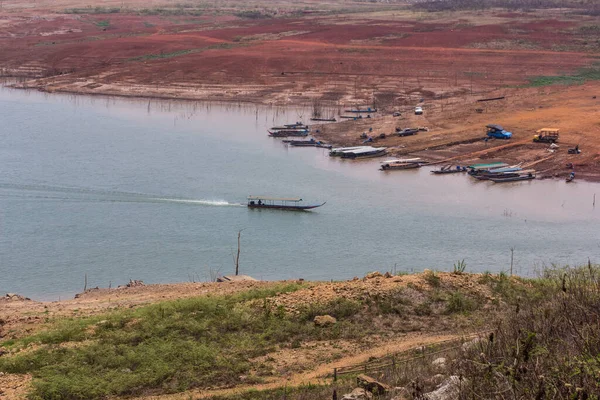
237,258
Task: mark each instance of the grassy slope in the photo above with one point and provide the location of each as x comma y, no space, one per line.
211,341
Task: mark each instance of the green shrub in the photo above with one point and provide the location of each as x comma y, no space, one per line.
432,278
458,303
459,266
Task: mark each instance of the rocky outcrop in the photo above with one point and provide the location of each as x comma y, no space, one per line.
448,390
371,384
358,394
324,320
14,297
439,364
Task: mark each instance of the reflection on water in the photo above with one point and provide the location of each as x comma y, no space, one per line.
153,190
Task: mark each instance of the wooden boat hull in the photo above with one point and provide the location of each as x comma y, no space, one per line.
362,111
288,133
352,156
285,207
448,171
387,167
321,145
324,119
512,179
283,128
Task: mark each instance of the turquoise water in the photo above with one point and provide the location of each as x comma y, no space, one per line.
135,189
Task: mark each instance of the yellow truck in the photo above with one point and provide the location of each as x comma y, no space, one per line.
546,135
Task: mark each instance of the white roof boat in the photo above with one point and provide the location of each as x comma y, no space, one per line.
338,151
365,152
398,163
402,160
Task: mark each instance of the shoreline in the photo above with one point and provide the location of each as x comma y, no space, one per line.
340,134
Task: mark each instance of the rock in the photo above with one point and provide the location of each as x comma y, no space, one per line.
374,274
135,283
387,275
324,320
437,379
3,352
371,384
358,394
439,363
448,390
14,297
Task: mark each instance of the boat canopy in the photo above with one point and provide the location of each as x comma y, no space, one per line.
401,160
366,150
349,148
488,165
505,169
296,199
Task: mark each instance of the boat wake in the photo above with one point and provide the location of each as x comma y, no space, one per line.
78,194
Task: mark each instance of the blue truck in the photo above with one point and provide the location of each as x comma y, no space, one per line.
497,132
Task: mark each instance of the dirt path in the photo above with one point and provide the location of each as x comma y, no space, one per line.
320,374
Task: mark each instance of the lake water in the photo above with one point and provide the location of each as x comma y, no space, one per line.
134,189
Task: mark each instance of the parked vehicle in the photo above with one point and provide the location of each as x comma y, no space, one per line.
546,135
418,111
497,132
407,131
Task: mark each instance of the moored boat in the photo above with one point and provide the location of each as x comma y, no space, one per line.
364,110
495,170
287,127
449,170
366,152
307,143
292,204
507,171
338,151
324,119
523,176
477,167
399,164
289,132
